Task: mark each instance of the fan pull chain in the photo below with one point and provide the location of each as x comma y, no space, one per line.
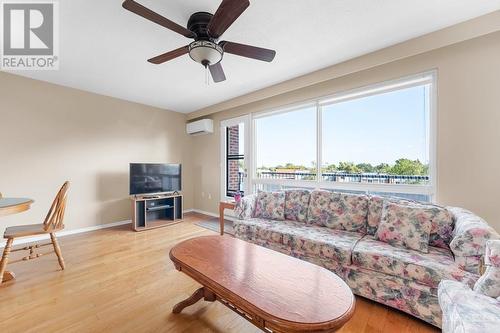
207,79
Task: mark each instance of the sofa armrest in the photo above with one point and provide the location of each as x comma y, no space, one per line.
470,234
246,207
467,311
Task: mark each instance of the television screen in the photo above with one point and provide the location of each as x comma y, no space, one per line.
154,178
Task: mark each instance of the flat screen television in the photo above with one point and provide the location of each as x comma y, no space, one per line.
148,178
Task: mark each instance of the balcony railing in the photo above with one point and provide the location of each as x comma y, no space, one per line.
343,177
373,178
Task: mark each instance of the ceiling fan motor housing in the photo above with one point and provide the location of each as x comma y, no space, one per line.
204,49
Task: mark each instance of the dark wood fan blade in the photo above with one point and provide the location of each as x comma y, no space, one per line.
248,51
169,55
226,14
147,13
217,72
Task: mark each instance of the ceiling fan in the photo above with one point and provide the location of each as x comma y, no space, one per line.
205,29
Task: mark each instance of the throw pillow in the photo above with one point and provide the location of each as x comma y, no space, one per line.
405,225
296,204
270,205
441,219
348,212
489,283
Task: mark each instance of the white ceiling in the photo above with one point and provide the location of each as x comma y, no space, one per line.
104,47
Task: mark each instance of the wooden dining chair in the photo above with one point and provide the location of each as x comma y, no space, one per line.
53,223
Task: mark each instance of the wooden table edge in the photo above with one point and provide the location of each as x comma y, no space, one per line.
275,323
16,208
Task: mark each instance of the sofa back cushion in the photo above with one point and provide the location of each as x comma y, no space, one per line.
405,225
441,219
348,212
297,204
318,212
270,205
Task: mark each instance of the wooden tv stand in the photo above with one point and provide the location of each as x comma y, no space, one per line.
156,211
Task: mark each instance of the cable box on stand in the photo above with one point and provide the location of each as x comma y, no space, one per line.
155,211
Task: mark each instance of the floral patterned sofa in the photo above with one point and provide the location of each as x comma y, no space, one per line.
476,310
344,233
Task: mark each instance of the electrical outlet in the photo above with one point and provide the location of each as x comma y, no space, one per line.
209,196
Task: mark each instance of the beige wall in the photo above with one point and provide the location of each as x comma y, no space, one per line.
49,134
468,122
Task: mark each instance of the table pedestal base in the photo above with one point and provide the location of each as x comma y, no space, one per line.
195,297
7,276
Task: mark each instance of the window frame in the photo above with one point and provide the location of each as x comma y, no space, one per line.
425,78
247,156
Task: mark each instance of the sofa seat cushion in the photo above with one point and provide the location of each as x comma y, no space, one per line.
303,240
466,311
425,268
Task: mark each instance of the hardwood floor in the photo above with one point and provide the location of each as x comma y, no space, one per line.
118,280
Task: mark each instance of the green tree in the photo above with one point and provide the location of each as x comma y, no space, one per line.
329,168
348,167
406,166
383,168
365,167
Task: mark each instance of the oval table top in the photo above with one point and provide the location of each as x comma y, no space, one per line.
291,294
10,206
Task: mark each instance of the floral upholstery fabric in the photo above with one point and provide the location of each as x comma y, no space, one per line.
470,264
425,268
245,208
348,212
301,240
319,208
466,311
402,278
441,219
405,226
375,209
296,204
489,283
270,205
405,295
470,234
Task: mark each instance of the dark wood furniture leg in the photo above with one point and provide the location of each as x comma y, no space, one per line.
200,293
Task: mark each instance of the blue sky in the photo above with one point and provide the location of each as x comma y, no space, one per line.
375,129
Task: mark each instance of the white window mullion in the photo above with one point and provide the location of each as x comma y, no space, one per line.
318,144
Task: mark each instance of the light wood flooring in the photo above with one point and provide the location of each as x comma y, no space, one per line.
117,280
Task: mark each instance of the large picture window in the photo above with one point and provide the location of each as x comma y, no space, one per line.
286,145
380,139
377,139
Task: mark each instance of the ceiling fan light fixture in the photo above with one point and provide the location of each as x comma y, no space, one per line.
205,52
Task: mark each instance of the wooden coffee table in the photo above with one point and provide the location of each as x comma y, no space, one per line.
275,292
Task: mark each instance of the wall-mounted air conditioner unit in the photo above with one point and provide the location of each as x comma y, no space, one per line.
199,127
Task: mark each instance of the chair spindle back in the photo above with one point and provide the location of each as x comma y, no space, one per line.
55,216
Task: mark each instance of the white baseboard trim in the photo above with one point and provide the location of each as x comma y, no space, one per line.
63,233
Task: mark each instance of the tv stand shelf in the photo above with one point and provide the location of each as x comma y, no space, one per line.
150,212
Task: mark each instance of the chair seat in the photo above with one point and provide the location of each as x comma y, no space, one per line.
27,230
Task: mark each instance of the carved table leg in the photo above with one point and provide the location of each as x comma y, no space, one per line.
195,297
